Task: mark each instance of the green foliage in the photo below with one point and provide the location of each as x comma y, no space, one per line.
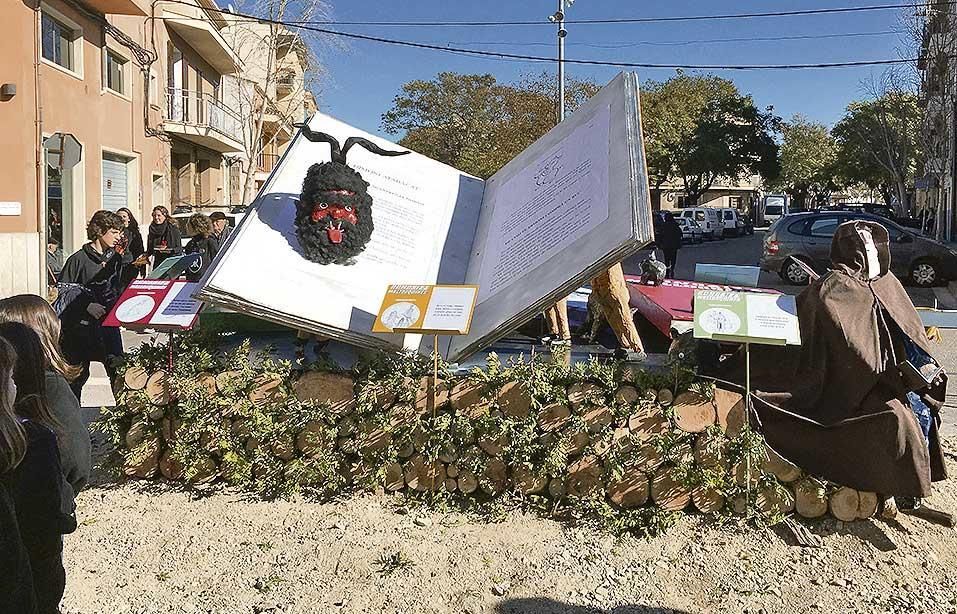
808,162
879,143
276,445
475,123
700,128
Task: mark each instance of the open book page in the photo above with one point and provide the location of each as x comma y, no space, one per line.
569,206
424,212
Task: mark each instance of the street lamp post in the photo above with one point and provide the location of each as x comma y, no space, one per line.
559,18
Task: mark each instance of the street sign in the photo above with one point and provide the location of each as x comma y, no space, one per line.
63,150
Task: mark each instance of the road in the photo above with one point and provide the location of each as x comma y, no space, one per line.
747,251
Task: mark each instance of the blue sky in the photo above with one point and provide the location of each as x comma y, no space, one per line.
364,76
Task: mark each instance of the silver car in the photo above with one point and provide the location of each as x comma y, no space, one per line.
807,237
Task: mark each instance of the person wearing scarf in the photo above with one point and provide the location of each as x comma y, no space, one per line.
164,239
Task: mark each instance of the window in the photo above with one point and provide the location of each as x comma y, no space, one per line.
823,227
114,72
699,215
729,215
58,42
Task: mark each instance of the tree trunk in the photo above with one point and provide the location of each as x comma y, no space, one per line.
901,186
610,290
557,318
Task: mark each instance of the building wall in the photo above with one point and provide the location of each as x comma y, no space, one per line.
70,102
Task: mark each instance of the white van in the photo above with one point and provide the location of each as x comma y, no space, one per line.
733,224
775,207
709,220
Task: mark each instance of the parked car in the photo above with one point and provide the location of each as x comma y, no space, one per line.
733,222
709,219
882,211
691,231
807,237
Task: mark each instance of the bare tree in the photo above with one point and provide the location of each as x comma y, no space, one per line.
281,68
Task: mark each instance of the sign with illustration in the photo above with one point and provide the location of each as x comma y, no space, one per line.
746,317
437,309
156,303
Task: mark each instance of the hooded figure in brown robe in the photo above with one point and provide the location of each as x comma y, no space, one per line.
837,405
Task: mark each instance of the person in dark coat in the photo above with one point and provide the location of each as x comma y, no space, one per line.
202,243
32,481
839,405
164,239
96,269
134,256
221,230
16,578
668,238
44,397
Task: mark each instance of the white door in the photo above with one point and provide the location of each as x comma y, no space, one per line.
115,191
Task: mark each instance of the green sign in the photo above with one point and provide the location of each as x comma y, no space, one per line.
746,317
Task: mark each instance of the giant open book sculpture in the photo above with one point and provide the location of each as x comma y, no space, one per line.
571,205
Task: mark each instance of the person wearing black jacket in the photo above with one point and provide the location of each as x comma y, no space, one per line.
32,481
668,238
97,271
134,258
202,243
163,239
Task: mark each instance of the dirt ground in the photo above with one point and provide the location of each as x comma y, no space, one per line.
144,548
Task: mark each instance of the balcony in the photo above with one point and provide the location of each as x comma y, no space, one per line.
120,7
194,25
267,162
201,119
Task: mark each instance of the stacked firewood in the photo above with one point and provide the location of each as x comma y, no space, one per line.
637,446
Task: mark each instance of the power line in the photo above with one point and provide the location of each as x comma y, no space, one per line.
550,60
680,43
793,13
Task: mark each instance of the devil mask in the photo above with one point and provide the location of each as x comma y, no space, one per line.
334,213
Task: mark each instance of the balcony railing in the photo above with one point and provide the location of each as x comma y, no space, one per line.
202,110
267,162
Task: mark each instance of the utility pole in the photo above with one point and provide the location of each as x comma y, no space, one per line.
556,316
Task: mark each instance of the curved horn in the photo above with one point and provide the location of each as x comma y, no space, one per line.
367,144
338,155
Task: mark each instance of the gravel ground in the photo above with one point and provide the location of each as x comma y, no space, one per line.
144,548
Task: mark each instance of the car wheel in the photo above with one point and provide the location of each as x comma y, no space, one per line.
923,273
792,273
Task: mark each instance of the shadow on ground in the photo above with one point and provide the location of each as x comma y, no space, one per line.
540,605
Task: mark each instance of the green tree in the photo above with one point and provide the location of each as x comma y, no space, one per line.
879,143
473,122
700,128
808,162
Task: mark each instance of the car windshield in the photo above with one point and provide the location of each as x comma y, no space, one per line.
699,215
774,210
729,215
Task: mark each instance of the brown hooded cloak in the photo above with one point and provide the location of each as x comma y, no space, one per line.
837,405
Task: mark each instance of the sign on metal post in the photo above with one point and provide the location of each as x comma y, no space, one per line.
63,150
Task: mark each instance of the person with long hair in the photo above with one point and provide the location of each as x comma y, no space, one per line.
16,579
61,404
164,239
134,258
33,482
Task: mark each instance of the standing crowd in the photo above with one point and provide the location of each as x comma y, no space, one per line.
45,354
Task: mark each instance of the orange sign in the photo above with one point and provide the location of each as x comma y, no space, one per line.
436,309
